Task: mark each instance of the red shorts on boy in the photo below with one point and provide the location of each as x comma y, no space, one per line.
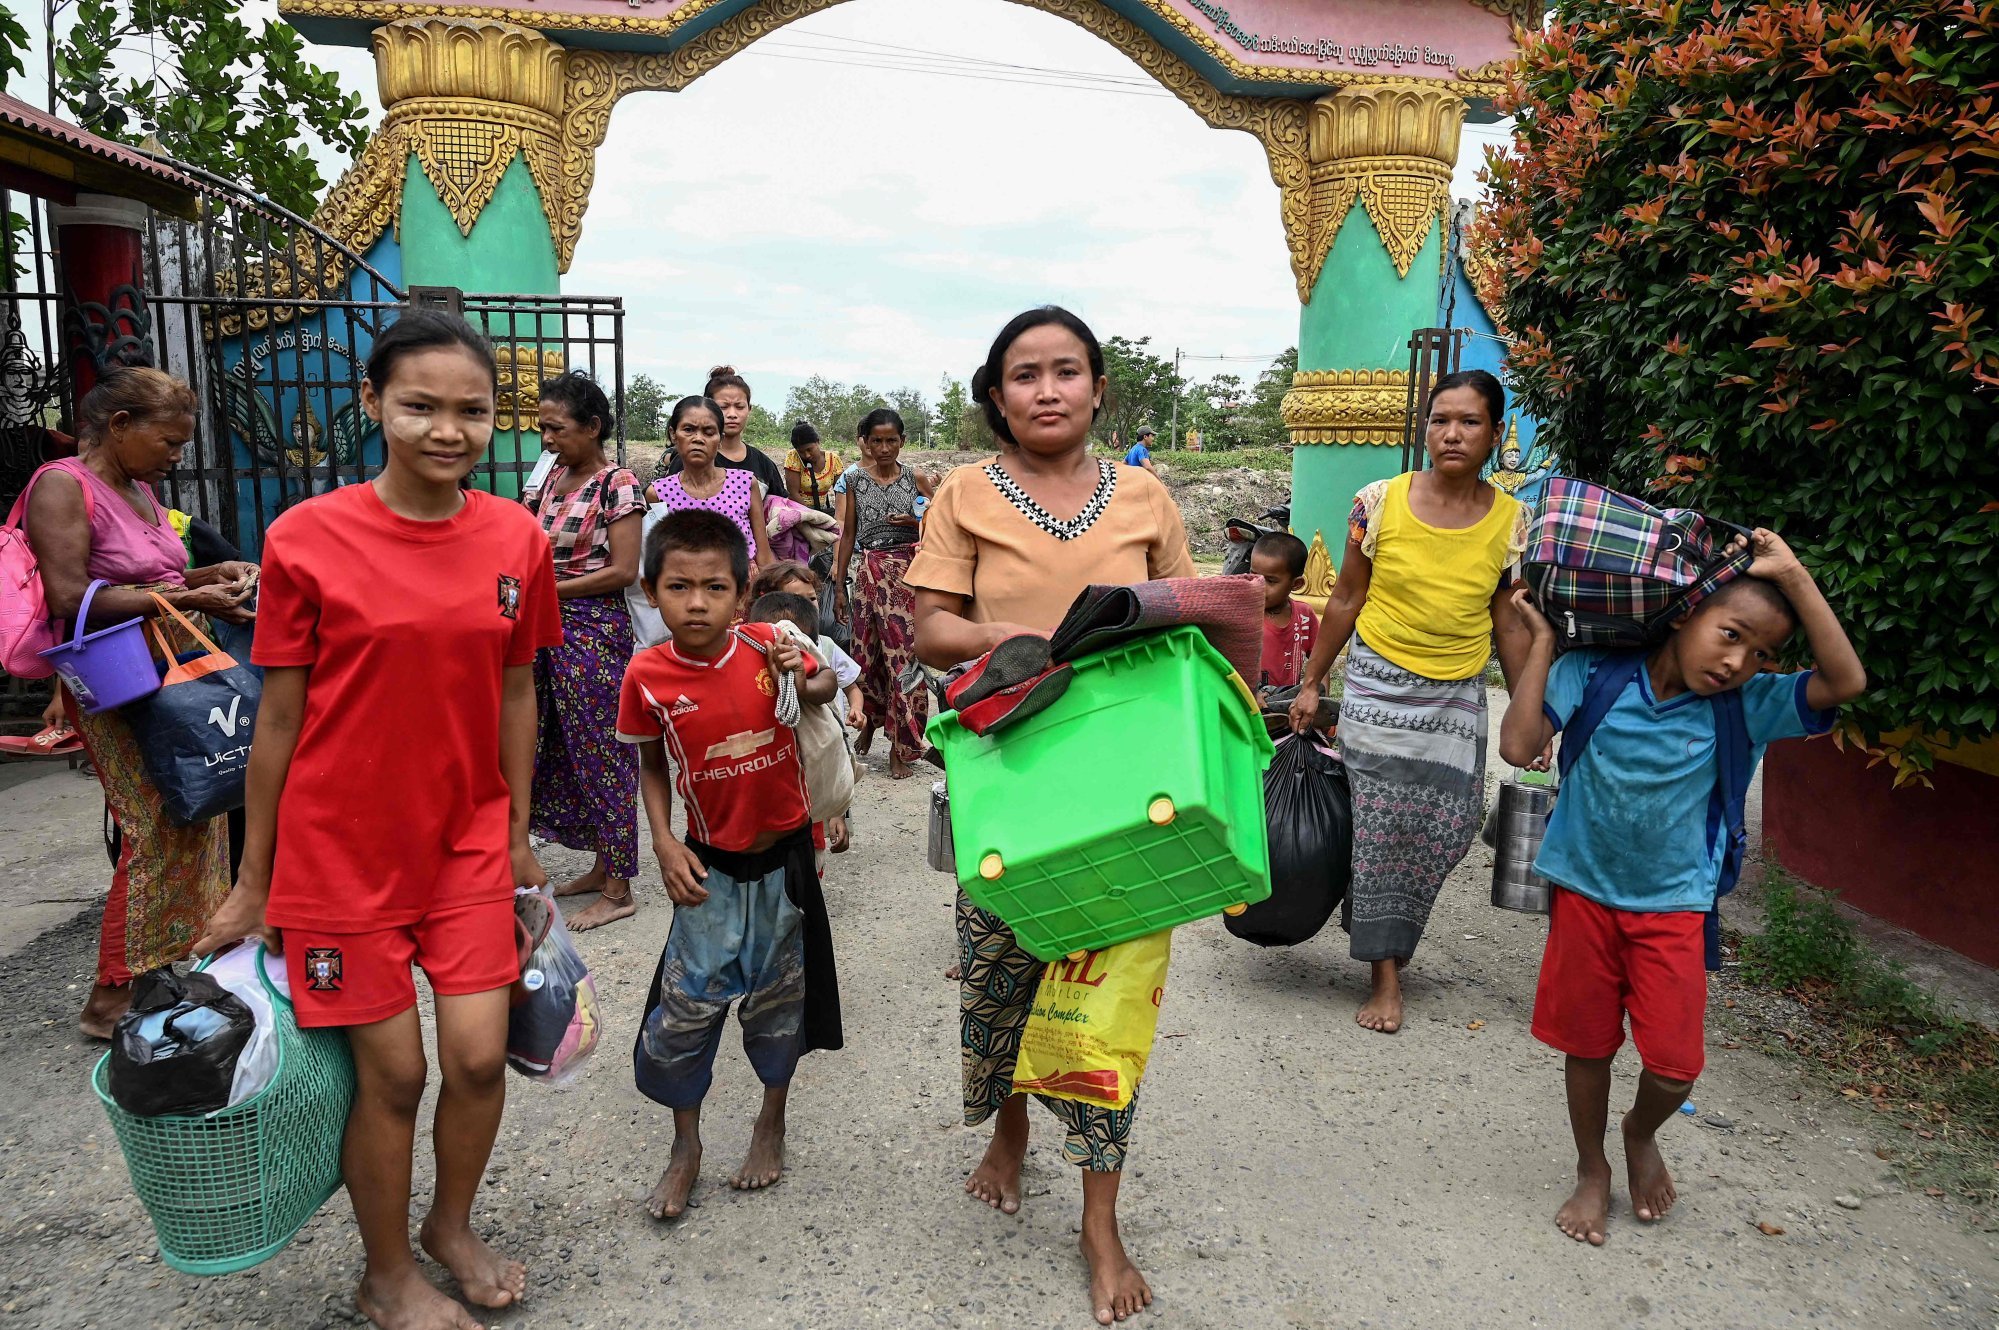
360,978
1601,964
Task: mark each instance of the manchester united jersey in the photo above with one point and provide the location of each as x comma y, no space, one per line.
739,772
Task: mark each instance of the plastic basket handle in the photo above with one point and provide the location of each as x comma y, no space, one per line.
263,975
83,614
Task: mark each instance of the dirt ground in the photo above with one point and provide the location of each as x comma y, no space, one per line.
1288,1168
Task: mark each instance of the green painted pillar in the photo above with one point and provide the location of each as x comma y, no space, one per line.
1382,156
508,250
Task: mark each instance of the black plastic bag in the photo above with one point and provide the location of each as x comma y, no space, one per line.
1309,812
175,1051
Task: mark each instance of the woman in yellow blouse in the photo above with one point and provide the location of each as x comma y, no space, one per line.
1423,594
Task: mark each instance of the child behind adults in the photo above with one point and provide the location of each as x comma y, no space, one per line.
1290,630
792,578
1635,856
749,922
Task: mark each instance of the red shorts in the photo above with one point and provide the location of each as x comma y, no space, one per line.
360,978
1603,963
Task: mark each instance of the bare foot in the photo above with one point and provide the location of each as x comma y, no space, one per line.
865,741
101,1012
669,1198
764,1164
1652,1193
996,1180
486,1278
1586,1214
591,881
606,909
1117,1289
407,1301
899,769
1381,1013
954,972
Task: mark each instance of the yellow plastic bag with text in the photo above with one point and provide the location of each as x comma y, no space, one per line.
1090,1031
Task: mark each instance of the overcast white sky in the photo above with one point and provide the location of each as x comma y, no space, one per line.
795,216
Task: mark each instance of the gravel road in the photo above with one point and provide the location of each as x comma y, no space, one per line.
1288,1168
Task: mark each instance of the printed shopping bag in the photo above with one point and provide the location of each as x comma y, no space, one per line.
1089,1033
194,734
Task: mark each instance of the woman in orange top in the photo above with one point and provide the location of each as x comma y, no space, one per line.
1006,549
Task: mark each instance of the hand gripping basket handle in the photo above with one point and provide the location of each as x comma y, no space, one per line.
159,634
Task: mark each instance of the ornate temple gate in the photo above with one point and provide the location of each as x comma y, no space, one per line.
482,168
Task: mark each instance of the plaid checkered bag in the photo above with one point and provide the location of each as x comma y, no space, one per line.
1611,571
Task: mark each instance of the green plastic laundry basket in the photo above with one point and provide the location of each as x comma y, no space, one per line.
230,1189
1133,804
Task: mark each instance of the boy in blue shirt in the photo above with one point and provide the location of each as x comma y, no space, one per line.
1635,851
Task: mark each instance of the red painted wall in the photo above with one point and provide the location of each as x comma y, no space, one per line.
1926,860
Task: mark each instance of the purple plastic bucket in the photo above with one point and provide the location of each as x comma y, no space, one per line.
109,667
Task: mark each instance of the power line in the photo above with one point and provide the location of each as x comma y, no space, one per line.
927,62
1134,79
978,77
1246,360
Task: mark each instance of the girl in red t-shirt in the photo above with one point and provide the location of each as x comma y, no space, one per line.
388,795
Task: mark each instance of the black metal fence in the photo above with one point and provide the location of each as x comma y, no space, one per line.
34,373
271,319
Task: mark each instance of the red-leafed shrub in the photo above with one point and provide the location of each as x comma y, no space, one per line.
1751,254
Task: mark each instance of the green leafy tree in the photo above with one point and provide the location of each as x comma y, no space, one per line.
834,408
1263,414
953,405
1142,388
1751,252
766,431
645,408
917,419
234,98
13,48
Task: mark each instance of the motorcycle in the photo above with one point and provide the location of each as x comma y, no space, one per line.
1242,534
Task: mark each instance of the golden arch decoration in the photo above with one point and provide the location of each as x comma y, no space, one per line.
437,66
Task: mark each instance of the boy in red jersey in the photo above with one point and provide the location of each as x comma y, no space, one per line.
749,921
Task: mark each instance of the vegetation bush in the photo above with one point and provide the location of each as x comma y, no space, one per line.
1751,252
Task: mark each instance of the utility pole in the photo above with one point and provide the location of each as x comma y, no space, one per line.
1176,399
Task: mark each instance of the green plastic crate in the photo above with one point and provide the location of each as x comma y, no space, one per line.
1064,805
229,1190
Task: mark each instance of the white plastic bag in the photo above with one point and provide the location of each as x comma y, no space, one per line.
830,766
236,970
553,1025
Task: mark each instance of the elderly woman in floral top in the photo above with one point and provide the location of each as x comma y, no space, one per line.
585,781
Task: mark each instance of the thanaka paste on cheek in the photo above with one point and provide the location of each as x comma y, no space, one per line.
410,429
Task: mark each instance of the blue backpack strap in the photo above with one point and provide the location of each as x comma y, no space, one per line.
1728,806
1607,682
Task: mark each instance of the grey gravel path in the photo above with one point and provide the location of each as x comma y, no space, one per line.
1289,1168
